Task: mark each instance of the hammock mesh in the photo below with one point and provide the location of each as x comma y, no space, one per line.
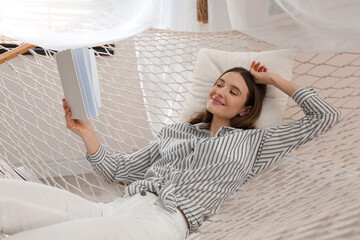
312,193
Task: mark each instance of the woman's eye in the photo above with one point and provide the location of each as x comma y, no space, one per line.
218,85
233,93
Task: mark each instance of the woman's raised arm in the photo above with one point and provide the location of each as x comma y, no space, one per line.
277,141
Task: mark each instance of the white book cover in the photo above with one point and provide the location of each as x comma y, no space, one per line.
79,78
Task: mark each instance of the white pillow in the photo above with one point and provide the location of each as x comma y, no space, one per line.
212,63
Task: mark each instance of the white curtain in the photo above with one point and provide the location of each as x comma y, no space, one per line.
308,25
64,24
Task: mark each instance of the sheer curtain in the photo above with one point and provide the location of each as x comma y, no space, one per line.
64,24
307,25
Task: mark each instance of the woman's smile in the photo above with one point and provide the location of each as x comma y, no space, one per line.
217,101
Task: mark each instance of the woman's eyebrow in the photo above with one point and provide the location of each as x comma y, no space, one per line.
232,86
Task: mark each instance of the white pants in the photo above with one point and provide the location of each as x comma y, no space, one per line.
36,211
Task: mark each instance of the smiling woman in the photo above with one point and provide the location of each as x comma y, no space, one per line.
241,101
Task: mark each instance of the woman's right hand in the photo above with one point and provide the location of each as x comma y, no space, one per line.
261,75
79,127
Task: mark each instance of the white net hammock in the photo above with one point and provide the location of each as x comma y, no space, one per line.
312,193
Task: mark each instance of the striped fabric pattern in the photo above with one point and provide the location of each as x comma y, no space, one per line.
192,170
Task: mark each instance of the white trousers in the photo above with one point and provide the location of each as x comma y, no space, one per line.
40,212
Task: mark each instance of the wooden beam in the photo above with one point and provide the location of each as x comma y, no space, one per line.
13,53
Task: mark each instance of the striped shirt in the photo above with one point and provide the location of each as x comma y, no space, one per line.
192,170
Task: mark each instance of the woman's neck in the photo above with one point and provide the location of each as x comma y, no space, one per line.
216,124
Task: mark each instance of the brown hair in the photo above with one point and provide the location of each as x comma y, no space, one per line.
255,98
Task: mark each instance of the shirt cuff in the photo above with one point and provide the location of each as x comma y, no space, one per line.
301,94
98,156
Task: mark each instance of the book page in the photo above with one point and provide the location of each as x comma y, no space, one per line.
95,78
81,58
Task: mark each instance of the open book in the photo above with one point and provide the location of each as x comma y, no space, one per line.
79,78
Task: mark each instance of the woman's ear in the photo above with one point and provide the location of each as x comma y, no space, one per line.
245,111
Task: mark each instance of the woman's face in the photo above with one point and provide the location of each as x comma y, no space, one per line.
227,98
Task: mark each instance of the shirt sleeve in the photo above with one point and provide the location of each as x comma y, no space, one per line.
319,117
124,167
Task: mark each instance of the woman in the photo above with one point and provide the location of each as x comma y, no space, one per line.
182,176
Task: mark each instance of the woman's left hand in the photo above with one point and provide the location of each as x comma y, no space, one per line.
260,74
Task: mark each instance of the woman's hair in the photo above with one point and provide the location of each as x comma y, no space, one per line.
255,98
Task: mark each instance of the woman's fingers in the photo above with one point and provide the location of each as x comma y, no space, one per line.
257,66
262,68
253,64
64,103
67,109
68,114
72,124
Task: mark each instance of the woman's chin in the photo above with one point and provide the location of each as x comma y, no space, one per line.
210,109
214,112
215,108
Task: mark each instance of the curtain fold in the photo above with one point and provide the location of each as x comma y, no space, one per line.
64,24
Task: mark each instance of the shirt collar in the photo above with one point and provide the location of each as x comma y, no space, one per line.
202,125
206,125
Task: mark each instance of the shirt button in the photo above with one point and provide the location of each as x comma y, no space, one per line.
142,193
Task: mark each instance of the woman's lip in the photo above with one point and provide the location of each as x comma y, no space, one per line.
217,102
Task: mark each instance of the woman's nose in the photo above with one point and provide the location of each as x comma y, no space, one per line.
220,92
